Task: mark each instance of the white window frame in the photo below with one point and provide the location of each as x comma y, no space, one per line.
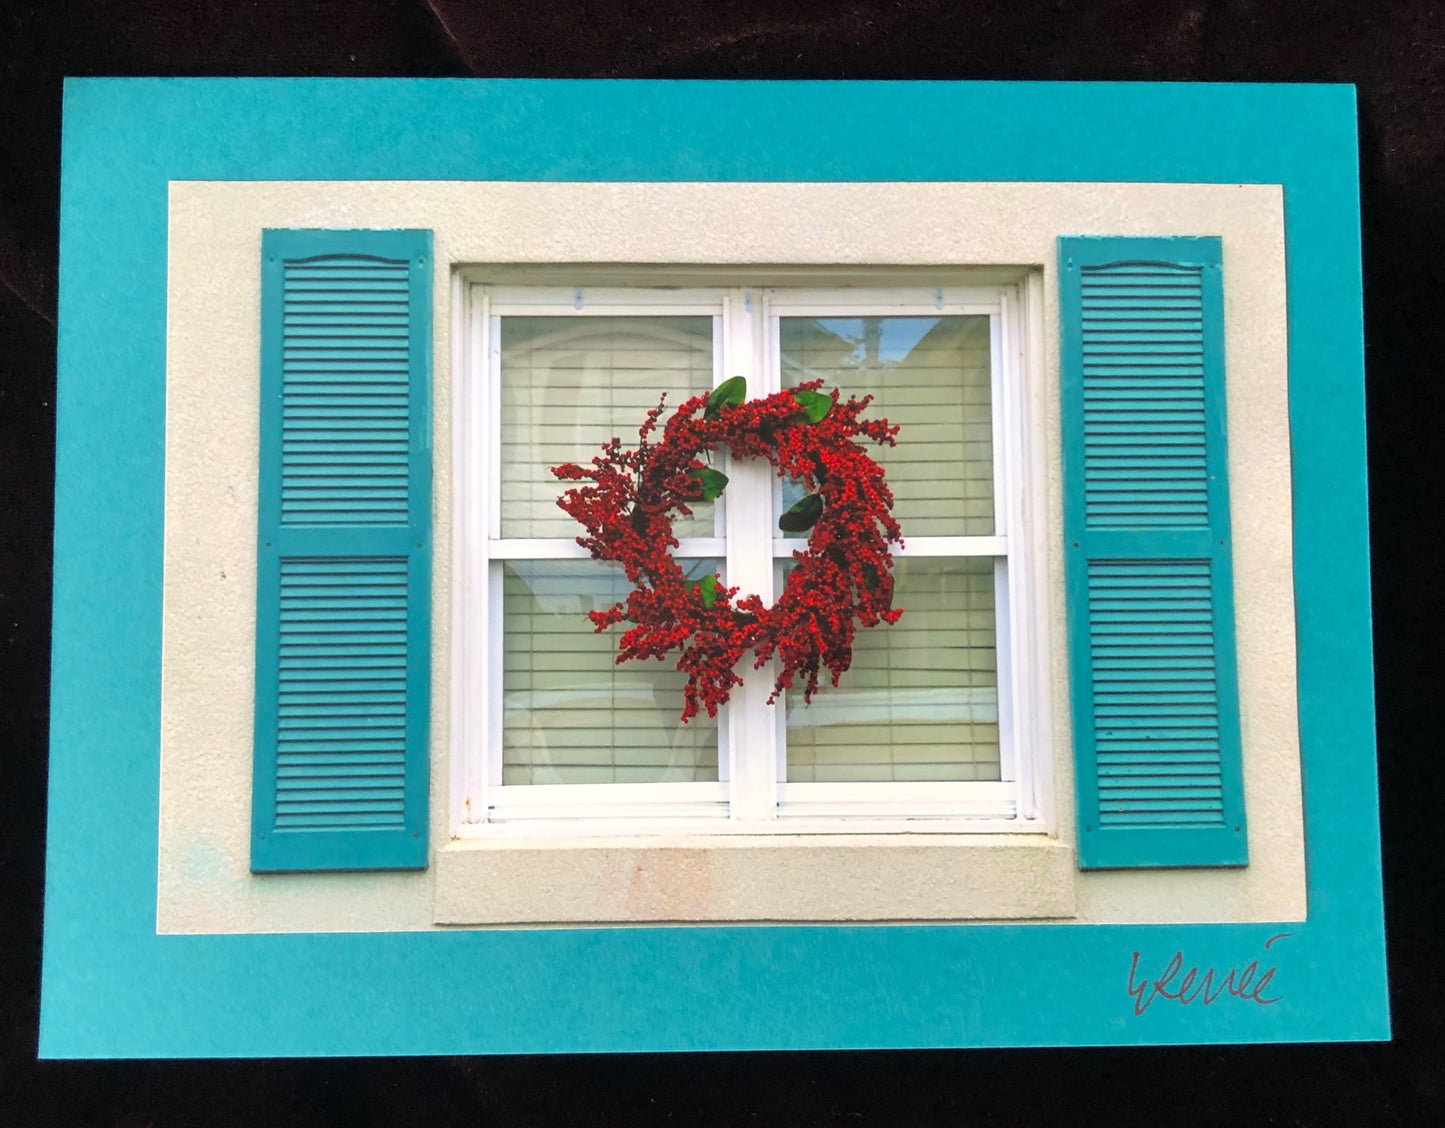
751,795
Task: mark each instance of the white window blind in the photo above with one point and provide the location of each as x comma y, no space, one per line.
920,701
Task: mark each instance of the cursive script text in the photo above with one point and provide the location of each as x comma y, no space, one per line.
1204,984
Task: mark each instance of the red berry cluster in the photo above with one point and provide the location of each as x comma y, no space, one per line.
842,578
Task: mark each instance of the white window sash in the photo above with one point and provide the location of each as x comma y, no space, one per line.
957,799
520,548
783,548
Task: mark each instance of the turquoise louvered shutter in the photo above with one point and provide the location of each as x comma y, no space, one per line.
1146,527
344,577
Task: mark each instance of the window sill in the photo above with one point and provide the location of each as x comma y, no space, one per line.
715,878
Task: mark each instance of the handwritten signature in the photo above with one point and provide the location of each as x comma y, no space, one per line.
1205,985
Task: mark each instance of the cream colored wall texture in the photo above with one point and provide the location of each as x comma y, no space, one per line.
212,435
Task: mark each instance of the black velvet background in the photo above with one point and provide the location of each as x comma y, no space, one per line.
1393,51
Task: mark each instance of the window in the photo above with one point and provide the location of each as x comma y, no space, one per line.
929,728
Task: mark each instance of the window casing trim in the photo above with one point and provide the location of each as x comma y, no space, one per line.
748,798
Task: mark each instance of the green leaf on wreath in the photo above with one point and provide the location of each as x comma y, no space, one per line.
802,516
712,482
870,577
708,590
729,393
815,405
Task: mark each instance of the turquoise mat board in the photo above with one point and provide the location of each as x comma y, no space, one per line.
112,987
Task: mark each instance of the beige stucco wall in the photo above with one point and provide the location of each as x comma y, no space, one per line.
210,558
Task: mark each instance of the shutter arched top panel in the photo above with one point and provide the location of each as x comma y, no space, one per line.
344,552
1149,578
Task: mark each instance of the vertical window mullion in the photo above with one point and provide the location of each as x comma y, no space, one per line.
752,785
773,373
720,355
721,352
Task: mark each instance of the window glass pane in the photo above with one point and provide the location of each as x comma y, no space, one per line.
920,701
571,383
931,376
570,714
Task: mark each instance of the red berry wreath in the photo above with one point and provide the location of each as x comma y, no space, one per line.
842,577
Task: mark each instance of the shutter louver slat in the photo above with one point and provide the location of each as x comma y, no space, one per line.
343,610
1147,523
